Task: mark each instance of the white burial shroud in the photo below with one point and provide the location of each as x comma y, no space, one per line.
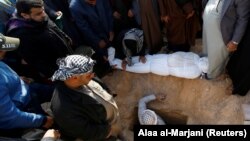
180,64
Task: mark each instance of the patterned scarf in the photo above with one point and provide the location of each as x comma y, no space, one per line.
136,35
72,65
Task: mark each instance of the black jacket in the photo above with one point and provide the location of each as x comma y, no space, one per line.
78,115
41,44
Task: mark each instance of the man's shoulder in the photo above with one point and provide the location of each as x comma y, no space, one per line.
3,67
17,26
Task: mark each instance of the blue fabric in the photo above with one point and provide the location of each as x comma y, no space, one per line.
14,96
8,6
94,22
2,27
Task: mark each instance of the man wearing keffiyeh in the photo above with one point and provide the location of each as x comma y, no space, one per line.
82,108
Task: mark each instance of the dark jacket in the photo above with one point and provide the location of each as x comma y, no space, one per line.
94,22
79,115
41,44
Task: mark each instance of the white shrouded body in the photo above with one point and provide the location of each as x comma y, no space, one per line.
180,64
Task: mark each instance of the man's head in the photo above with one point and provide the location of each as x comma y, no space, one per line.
149,117
7,44
132,43
31,10
91,2
76,69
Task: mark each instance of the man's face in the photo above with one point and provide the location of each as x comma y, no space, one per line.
36,14
91,2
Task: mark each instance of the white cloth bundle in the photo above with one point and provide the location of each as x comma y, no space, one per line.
180,64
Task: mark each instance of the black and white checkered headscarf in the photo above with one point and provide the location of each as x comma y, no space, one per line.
136,35
72,65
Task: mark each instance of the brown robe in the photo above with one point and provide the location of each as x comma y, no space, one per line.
151,25
179,29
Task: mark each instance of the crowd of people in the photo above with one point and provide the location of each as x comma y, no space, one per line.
50,51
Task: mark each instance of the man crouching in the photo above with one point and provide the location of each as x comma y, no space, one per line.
82,108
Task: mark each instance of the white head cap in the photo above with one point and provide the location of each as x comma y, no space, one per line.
148,117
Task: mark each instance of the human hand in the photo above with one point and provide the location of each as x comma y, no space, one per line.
124,64
49,122
105,58
130,13
102,44
58,14
142,59
160,97
165,19
111,36
231,46
26,79
52,133
117,15
191,14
